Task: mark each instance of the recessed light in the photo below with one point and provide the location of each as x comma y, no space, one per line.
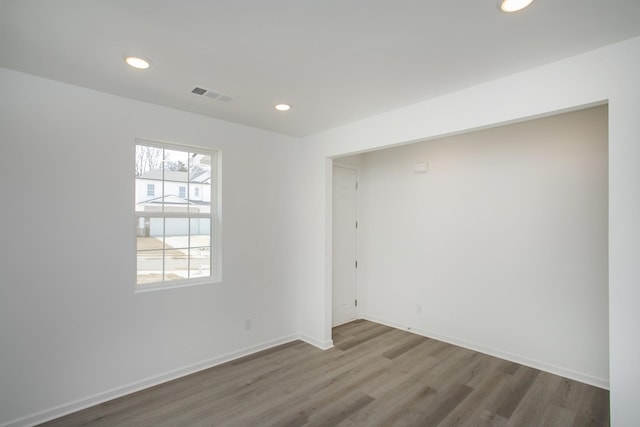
513,5
136,62
283,107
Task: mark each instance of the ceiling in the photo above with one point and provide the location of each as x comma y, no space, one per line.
334,61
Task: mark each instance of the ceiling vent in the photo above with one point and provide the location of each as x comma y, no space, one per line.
213,94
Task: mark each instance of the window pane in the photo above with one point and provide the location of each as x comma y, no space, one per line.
148,162
200,262
148,178
200,232
176,264
199,168
149,194
176,164
150,234
200,200
177,233
200,183
149,266
174,197
200,250
176,248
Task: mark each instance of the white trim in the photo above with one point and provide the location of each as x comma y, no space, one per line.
168,145
77,405
322,345
552,369
327,304
174,284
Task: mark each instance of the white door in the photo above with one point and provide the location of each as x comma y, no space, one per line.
344,244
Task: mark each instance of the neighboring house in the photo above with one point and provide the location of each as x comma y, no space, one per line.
178,195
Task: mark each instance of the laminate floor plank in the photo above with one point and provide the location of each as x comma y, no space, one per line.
488,419
471,412
354,329
539,393
374,376
515,391
593,408
430,409
334,414
556,416
404,347
363,337
459,367
411,363
396,396
508,367
350,326
485,372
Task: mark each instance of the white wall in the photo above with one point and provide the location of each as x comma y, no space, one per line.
501,246
609,73
72,330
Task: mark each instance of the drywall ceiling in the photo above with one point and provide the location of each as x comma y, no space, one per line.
335,61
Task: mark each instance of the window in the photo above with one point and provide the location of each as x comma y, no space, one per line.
196,192
176,236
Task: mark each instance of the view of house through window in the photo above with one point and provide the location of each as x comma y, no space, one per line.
175,216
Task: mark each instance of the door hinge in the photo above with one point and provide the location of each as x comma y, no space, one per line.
356,263
356,185
356,302
356,224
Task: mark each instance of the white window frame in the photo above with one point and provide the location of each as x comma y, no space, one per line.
214,215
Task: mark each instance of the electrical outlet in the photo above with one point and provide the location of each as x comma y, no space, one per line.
247,324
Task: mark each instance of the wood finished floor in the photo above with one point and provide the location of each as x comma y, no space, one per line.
375,376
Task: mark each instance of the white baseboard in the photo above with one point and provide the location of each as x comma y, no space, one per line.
552,369
77,405
322,345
